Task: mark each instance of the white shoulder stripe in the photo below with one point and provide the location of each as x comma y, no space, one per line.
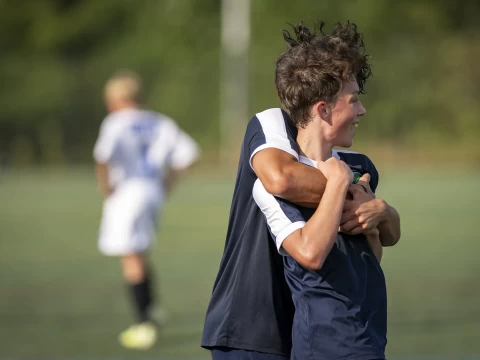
275,132
272,122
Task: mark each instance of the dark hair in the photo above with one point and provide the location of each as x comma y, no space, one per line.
316,65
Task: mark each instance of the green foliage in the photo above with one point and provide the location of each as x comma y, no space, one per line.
57,54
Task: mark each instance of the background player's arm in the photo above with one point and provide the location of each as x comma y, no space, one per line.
282,175
103,183
172,179
184,153
103,152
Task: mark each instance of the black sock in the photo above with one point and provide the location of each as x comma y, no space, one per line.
142,298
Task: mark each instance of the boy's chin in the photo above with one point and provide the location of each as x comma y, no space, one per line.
346,143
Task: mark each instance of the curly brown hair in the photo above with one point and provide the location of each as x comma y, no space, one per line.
316,65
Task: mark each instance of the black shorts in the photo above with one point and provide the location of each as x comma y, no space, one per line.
224,353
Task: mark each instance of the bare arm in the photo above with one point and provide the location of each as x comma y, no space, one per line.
101,171
373,239
172,179
390,227
282,175
310,245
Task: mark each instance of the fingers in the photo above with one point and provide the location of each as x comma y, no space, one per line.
356,231
349,225
352,229
366,187
365,178
321,165
360,190
356,190
347,216
335,169
349,205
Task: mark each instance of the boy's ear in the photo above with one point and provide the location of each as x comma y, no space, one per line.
324,111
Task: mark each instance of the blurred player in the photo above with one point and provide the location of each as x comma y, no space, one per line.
139,155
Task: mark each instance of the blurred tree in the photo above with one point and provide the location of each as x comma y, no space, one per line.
57,54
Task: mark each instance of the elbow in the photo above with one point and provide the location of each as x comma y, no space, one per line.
396,237
312,260
395,240
313,264
390,229
312,253
277,183
388,241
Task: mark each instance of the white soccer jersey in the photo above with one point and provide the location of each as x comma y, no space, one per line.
137,143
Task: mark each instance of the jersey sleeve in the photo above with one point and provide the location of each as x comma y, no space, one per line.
269,129
185,151
106,143
173,148
282,217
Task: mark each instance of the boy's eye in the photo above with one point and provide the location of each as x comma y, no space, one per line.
354,100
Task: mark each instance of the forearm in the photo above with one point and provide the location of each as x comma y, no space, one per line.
389,227
373,240
103,183
304,186
283,176
320,232
171,180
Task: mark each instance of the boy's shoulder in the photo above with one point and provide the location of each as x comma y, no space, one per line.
273,122
352,157
359,162
270,119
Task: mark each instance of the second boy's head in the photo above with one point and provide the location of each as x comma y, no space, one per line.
320,77
123,90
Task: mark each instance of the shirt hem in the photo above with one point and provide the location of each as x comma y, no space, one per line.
213,343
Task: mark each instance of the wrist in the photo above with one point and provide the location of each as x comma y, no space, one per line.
338,184
384,209
338,181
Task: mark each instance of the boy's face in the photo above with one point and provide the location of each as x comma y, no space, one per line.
346,115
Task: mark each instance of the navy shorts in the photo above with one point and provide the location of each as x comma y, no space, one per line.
224,353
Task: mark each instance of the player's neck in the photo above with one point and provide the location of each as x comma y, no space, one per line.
119,106
313,146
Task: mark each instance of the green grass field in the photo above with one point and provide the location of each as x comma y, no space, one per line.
61,299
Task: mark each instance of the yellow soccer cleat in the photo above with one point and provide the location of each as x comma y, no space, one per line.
140,336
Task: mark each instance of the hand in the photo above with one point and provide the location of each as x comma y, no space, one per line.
335,170
364,181
106,191
363,213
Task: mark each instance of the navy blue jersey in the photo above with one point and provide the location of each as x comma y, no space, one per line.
341,309
251,306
